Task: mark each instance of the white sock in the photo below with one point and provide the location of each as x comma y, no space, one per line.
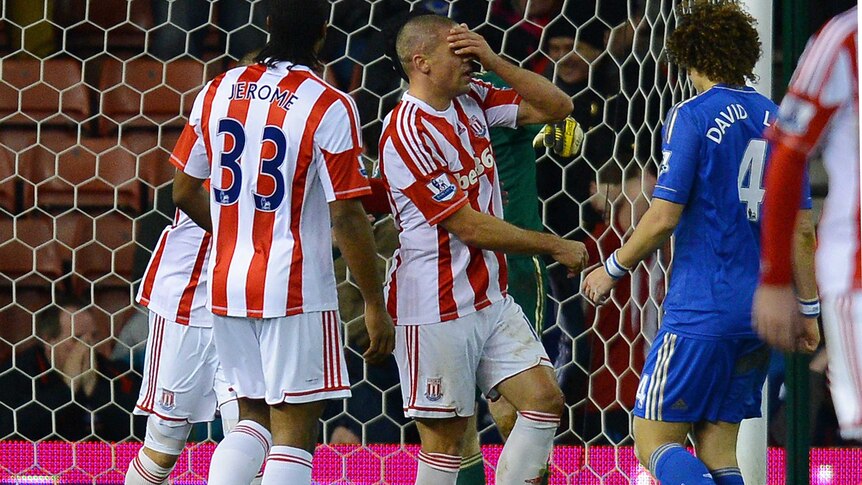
144,471
229,419
239,456
526,452
286,464
437,468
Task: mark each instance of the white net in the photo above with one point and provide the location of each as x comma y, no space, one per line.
93,95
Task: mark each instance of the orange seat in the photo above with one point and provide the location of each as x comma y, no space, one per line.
50,92
153,151
108,260
107,26
95,173
32,259
8,181
147,93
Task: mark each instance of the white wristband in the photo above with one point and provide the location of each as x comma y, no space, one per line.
614,268
809,308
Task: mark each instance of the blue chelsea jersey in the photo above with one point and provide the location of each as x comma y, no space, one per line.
714,163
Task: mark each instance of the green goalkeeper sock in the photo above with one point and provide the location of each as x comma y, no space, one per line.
472,471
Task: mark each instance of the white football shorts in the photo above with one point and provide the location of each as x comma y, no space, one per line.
842,324
295,359
441,364
181,380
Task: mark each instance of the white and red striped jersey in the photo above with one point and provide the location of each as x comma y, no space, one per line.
174,284
821,112
433,163
278,144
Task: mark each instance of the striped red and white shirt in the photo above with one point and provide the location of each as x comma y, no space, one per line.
174,285
820,111
279,144
433,163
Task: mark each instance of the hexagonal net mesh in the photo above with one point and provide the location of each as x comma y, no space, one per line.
92,99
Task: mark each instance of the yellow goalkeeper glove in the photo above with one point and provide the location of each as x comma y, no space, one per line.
564,138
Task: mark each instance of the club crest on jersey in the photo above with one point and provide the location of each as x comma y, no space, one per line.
433,388
441,188
477,126
167,401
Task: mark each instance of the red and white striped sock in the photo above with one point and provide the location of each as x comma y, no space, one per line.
239,456
144,471
286,464
526,452
437,468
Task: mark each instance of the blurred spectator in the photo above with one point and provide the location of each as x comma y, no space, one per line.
617,335
515,29
61,388
563,183
131,343
182,26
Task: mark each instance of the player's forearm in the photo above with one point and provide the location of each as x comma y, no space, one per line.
488,232
191,197
783,196
803,257
652,232
549,100
356,242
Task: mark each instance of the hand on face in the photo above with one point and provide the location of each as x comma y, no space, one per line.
468,44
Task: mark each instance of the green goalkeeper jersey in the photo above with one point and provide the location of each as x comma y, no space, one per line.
516,164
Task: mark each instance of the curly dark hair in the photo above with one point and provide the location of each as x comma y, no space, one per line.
716,38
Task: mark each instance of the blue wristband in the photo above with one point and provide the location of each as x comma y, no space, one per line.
614,268
809,308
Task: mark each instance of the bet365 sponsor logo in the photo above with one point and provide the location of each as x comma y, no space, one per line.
483,163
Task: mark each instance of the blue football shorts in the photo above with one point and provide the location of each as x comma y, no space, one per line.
690,380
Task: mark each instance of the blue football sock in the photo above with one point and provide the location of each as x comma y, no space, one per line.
672,464
727,476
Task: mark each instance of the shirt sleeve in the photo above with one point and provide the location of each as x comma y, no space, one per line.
339,143
822,82
189,154
499,104
681,146
410,170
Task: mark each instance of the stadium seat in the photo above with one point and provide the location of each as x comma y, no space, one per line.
96,173
8,181
110,256
33,256
153,151
73,229
116,26
145,93
50,92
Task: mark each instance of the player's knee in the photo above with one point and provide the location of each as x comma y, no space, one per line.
166,437
550,400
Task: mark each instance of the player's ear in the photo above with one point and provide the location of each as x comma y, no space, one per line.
421,63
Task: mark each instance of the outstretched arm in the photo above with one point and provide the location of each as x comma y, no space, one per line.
488,232
653,230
